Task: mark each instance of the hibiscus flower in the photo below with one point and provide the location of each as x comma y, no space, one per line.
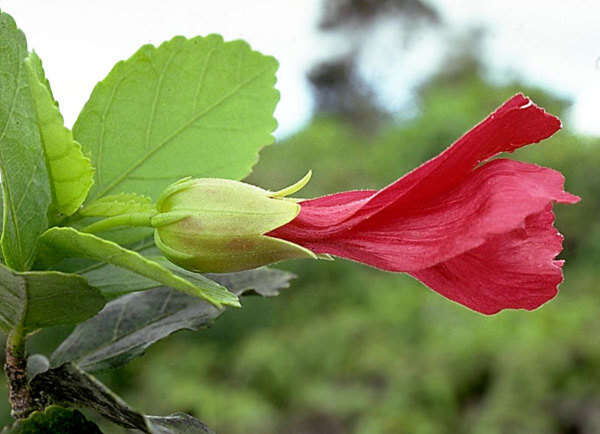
477,230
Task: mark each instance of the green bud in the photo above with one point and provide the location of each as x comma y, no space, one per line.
218,225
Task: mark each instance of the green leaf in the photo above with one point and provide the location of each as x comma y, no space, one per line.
54,420
69,385
69,241
114,282
118,204
130,324
191,107
25,184
35,299
84,265
1,220
71,173
262,281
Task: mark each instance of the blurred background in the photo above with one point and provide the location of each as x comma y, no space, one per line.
369,90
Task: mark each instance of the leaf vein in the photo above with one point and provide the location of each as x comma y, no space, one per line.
24,195
7,190
165,303
119,320
159,85
178,131
103,127
203,77
98,350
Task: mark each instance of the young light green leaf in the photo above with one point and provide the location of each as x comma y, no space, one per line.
71,242
113,281
25,186
118,204
199,107
36,299
71,173
70,386
130,324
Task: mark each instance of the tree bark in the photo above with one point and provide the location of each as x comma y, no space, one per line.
15,368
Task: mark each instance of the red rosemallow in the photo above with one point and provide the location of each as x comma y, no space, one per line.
479,234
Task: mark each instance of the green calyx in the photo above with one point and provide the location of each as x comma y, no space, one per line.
294,188
219,225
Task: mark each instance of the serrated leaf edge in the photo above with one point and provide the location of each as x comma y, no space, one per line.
52,124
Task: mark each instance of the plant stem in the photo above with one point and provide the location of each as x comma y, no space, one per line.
134,219
15,368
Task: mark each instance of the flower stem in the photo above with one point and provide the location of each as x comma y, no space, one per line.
15,368
134,219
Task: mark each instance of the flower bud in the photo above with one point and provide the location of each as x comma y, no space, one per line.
218,225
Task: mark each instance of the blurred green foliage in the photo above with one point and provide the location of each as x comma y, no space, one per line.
349,349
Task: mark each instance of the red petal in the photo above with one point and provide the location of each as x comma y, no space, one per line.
329,211
480,236
514,124
518,122
516,270
495,199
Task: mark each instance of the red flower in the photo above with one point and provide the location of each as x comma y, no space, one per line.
479,234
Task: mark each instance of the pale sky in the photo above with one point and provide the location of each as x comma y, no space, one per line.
547,42
551,43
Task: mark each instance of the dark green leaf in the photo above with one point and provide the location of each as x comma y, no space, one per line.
70,386
25,182
36,299
130,324
36,364
179,423
54,420
191,107
263,281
